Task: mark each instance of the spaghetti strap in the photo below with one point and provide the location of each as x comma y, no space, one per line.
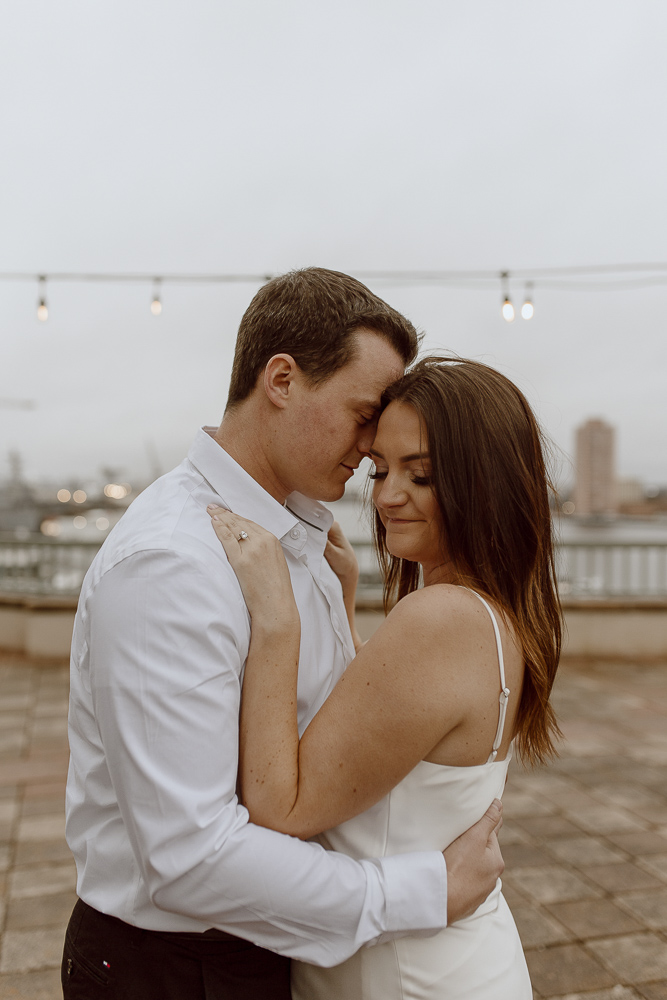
504,690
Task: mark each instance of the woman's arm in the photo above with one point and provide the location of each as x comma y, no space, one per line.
269,736
394,703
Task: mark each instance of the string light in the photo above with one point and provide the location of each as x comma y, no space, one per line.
507,309
156,304
583,278
42,308
528,309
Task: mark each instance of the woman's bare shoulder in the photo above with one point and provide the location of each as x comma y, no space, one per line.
440,606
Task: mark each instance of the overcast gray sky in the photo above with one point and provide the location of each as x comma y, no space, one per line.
260,136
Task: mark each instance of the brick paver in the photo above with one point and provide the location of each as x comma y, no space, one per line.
591,854
37,874
585,840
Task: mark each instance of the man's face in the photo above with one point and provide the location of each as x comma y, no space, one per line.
331,427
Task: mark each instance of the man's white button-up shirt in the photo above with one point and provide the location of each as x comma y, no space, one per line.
153,820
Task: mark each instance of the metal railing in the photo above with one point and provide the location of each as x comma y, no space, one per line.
586,569
623,570
44,566
608,570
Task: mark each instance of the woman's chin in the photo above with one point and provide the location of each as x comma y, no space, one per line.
399,551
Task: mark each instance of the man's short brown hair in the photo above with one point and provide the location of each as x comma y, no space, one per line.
311,315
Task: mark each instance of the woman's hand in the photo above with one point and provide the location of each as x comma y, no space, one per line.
268,732
340,556
257,558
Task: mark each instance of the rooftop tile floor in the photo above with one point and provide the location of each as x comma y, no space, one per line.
585,840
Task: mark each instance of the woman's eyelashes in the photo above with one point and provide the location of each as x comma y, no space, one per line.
414,477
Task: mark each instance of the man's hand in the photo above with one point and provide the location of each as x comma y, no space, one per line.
474,862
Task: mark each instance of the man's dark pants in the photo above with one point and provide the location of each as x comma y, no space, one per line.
105,957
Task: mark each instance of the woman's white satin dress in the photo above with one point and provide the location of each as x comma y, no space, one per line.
478,958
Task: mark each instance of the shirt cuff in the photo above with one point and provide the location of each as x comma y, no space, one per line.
416,894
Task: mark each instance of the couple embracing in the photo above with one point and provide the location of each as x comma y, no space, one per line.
342,814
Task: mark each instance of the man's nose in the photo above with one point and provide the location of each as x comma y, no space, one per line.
366,438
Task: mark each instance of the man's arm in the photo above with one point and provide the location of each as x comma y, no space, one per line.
165,673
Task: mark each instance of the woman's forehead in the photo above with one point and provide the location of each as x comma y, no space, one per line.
401,429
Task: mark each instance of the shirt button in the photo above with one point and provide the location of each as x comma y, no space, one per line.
294,532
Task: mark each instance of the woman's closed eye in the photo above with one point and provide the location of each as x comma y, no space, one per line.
414,478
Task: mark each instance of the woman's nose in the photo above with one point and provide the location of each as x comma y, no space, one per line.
390,494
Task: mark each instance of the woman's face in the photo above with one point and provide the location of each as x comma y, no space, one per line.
402,492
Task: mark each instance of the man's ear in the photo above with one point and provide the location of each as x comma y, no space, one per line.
279,375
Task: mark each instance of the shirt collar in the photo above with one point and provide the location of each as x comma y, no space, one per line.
310,512
243,494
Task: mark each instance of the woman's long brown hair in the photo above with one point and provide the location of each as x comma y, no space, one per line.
490,480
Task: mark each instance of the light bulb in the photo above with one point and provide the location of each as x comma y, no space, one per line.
508,310
156,304
528,309
42,309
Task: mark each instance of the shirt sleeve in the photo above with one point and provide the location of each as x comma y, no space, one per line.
167,638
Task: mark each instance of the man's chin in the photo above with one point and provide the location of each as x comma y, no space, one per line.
327,493
332,493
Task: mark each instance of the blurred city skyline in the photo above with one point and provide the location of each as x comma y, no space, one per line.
563,463
262,137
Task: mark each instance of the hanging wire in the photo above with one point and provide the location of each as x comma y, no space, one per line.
561,278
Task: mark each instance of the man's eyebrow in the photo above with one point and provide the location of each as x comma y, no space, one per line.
405,458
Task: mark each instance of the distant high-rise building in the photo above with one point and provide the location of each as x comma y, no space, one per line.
595,489
629,491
